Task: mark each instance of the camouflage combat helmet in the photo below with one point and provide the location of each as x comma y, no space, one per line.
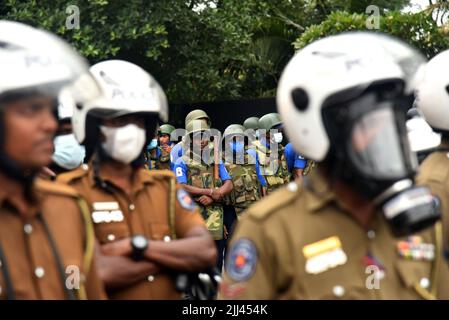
251,123
269,121
166,129
196,126
234,129
197,114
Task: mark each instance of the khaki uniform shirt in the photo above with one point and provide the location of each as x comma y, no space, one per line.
117,216
434,173
300,243
30,260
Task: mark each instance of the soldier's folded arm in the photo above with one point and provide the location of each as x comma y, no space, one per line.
195,191
225,189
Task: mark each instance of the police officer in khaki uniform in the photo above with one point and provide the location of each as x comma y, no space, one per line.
433,101
46,238
357,227
148,227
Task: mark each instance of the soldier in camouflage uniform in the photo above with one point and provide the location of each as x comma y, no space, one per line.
149,155
240,161
251,126
157,154
251,123
178,149
273,166
196,172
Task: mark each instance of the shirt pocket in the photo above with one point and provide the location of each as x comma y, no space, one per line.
415,276
342,282
111,231
159,230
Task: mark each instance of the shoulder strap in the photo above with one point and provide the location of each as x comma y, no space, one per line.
89,245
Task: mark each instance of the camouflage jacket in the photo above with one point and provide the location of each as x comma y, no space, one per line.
274,169
201,175
247,188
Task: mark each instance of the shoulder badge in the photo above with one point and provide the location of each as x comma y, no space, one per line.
242,260
185,200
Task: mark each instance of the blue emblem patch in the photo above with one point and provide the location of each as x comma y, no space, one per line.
185,200
242,260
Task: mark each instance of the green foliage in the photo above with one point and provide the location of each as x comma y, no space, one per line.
230,49
212,54
417,29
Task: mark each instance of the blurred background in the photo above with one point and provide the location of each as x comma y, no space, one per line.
224,56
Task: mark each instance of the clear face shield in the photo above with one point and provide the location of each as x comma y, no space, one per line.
376,148
374,157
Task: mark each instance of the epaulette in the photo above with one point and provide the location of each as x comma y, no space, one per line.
69,176
434,168
160,174
275,201
56,188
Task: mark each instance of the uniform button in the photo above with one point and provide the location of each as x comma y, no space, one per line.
150,278
167,239
371,234
132,207
85,167
292,187
28,228
39,272
338,291
111,237
424,282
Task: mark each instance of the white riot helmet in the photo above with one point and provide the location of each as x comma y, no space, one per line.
127,89
343,101
36,61
421,136
65,108
432,94
337,68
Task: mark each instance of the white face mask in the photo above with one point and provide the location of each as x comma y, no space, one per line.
123,144
69,154
278,137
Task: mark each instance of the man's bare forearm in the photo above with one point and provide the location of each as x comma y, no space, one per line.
196,251
122,271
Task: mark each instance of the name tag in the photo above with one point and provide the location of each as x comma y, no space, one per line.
324,255
106,212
